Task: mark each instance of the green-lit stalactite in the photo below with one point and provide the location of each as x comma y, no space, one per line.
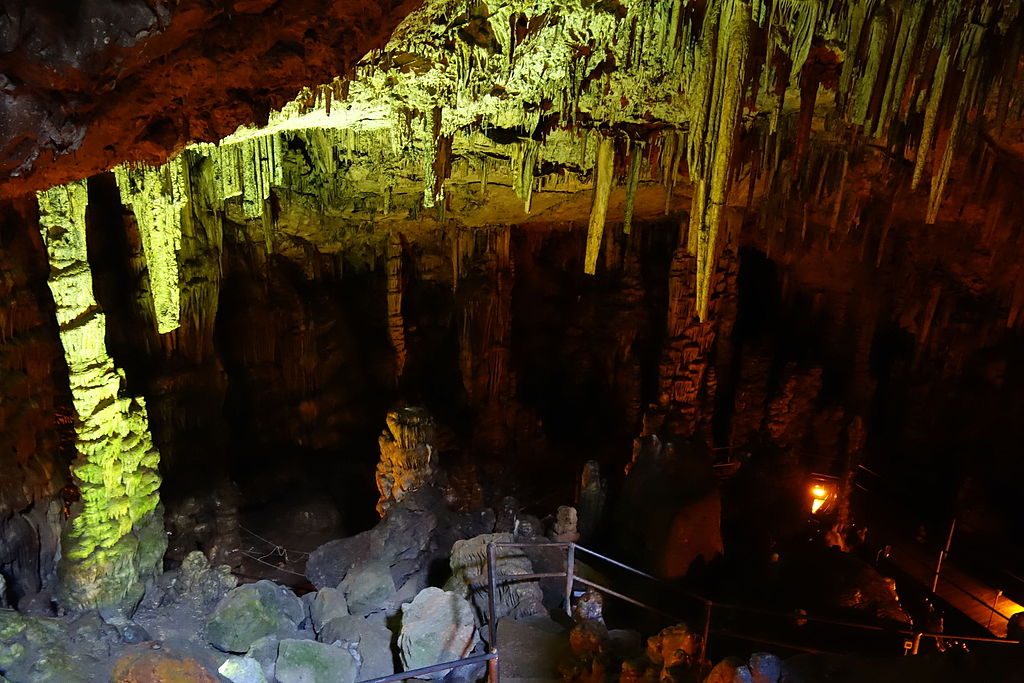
158,196
632,181
603,180
711,187
115,539
526,84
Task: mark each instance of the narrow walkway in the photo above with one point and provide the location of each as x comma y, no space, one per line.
975,600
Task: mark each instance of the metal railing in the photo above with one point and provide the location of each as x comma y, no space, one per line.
492,660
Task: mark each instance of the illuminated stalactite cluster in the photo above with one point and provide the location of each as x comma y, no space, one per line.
557,87
116,539
158,198
794,103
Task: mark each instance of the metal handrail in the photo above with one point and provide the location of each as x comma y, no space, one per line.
434,668
492,658
709,605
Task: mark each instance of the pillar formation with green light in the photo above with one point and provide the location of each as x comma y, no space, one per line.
115,539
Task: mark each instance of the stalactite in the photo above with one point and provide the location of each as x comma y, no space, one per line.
522,178
632,180
907,30
395,288
726,97
158,196
116,540
969,62
939,36
603,180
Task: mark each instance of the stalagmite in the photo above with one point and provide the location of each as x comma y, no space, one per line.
603,177
157,197
116,539
408,459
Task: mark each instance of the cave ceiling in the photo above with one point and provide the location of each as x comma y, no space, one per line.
742,120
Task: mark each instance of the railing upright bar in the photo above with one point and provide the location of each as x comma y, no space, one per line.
570,577
708,605
492,581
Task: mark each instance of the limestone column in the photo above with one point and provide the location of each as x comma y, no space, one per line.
115,539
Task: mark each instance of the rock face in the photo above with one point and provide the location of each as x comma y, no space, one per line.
408,459
251,612
416,532
438,626
306,661
515,599
668,513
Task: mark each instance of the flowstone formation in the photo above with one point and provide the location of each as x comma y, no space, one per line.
115,539
408,460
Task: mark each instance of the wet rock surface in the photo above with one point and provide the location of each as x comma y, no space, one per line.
251,612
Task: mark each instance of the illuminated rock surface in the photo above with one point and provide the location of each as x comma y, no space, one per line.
116,539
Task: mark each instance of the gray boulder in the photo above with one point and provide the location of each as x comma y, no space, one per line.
370,638
242,670
307,661
327,566
368,588
251,612
765,667
327,604
438,626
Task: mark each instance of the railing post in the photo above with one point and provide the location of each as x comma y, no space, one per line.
707,632
493,669
570,577
492,582
917,644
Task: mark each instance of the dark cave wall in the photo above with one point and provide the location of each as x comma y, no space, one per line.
828,347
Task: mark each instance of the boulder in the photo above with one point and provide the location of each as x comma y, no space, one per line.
307,661
730,670
327,604
674,649
368,588
371,639
264,651
438,626
242,670
765,668
252,611
142,664
327,566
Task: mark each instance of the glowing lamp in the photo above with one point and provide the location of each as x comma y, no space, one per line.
822,492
